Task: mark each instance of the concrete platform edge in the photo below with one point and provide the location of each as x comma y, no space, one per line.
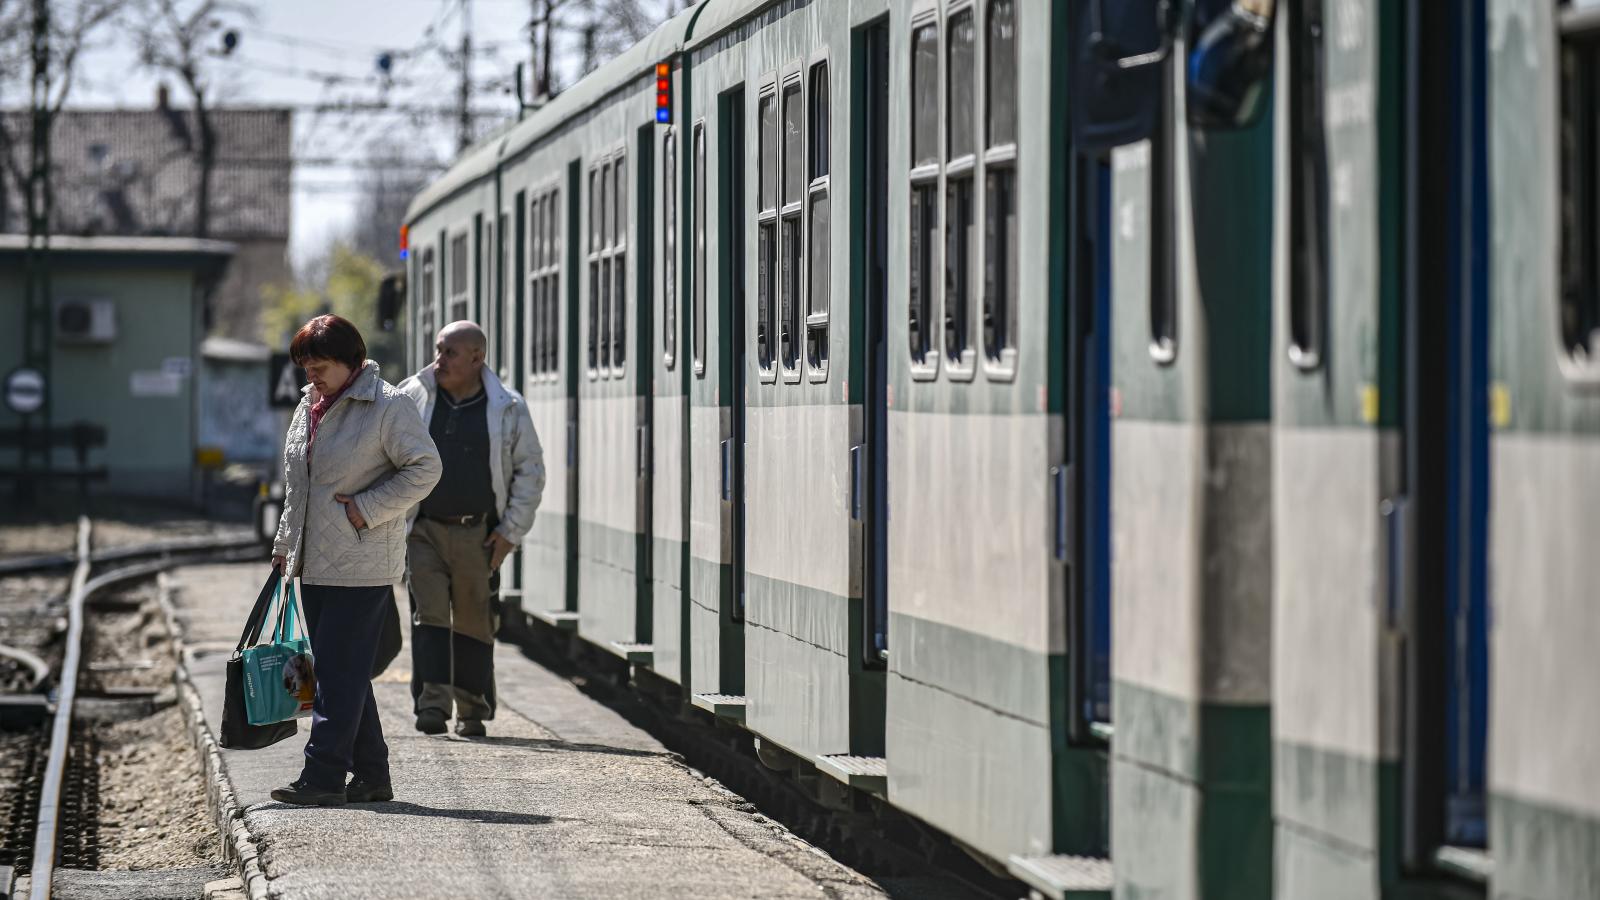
238,844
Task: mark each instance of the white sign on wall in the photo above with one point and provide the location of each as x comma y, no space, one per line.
154,384
25,391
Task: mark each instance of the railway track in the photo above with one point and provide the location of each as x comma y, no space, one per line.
49,806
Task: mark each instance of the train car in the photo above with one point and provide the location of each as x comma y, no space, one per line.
1537,233
1097,430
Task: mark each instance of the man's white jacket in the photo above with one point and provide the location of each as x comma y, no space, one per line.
516,461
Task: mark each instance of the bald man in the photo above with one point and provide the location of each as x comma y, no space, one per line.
461,532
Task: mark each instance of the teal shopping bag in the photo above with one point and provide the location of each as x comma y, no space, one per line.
279,678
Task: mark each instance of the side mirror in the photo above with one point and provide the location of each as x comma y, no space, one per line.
1230,61
391,297
1118,68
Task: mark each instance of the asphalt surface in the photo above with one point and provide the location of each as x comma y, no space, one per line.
564,798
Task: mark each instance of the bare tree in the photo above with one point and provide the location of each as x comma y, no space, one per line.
387,189
602,29
178,36
71,30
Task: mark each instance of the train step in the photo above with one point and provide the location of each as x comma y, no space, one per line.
868,773
638,654
564,619
723,706
1061,877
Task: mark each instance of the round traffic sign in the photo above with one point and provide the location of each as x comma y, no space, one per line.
25,390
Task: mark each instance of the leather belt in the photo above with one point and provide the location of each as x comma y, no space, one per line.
473,519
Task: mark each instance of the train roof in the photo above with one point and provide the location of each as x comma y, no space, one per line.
480,160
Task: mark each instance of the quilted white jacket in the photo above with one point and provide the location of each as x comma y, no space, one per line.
372,446
516,460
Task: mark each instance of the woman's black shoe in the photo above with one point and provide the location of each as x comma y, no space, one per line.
303,794
360,791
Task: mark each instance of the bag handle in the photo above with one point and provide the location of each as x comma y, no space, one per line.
258,613
288,613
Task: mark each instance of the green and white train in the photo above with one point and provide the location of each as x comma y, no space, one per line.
1156,444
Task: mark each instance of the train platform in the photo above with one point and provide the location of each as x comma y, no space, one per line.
564,798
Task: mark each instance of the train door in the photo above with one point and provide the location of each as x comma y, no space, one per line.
731,301
1445,438
568,371
874,127
643,334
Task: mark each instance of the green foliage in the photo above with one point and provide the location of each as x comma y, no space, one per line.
344,283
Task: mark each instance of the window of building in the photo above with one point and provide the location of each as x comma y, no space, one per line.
1579,298
1000,189
766,231
699,274
818,216
669,247
924,194
460,284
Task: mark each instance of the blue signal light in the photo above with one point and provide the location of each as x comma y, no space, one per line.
404,253
663,115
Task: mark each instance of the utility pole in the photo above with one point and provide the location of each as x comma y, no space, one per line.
36,312
533,48
465,137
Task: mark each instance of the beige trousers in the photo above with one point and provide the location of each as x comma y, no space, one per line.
450,581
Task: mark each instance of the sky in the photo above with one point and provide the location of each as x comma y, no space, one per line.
286,55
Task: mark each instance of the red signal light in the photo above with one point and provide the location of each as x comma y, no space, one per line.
663,100
663,85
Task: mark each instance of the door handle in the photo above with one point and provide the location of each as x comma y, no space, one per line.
1397,533
727,470
1064,500
642,439
857,488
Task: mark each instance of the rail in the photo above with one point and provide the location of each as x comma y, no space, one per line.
205,549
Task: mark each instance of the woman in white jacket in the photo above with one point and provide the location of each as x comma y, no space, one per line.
356,459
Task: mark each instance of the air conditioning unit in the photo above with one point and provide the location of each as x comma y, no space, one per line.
86,321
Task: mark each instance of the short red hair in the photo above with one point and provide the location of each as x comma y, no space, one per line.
329,337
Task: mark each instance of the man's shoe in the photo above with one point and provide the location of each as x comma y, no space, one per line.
431,721
470,728
360,791
302,794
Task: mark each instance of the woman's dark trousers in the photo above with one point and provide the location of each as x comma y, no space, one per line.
346,736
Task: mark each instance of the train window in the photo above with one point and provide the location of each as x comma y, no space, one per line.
789,229
669,248
1000,190
605,268
1308,190
699,274
924,196
619,264
552,286
1002,65
594,271
818,281
766,230
459,283
960,247
1580,201
425,320
961,84
925,95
